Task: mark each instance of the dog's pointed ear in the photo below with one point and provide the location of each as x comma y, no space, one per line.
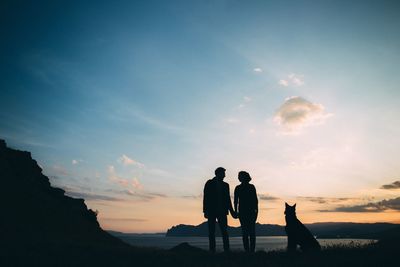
286,205
294,206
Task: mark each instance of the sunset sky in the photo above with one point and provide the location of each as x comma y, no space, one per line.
132,105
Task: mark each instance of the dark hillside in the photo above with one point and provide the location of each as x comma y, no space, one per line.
33,212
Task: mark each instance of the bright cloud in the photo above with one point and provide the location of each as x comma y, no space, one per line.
125,160
127,183
296,79
76,161
232,120
259,70
284,83
296,113
247,99
292,79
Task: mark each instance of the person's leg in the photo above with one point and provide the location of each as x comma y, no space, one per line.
223,224
245,234
252,233
211,233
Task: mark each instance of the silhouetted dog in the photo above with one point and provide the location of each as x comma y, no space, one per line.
297,233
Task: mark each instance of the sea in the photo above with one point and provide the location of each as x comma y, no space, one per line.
265,243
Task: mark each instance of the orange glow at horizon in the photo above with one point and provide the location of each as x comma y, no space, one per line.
160,215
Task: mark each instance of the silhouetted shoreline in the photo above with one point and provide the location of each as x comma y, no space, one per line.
321,230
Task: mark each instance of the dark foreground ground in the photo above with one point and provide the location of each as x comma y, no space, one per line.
383,253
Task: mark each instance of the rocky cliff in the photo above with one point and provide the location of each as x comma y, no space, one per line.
34,212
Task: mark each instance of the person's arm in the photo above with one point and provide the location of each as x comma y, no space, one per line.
255,202
236,199
205,200
233,213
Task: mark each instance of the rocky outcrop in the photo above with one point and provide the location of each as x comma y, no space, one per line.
34,212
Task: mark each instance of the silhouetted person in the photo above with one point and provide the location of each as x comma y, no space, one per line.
216,206
246,197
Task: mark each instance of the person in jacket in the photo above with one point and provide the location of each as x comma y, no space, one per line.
216,206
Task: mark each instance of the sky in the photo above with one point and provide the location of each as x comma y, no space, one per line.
132,105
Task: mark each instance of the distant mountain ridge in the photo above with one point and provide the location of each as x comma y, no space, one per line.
321,230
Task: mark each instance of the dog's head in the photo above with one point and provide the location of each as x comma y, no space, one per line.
290,211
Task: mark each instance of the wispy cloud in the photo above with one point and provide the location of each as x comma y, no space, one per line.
124,219
232,120
125,160
127,113
267,197
59,170
325,200
192,196
394,185
137,195
293,80
92,197
76,161
258,70
296,113
381,206
246,100
296,79
284,83
132,183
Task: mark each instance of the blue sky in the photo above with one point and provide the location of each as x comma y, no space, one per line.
133,104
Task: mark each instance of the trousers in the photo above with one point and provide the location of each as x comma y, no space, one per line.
223,226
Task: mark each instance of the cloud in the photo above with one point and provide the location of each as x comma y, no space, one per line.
125,113
258,70
192,196
128,183
394,185
124,219
381,206
267,197
140,196
93,197
232,120
292,79
283,83
296,79
60,170
76,161
125,160
296,113
246,99
325,200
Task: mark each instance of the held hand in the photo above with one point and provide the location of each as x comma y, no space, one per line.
235,215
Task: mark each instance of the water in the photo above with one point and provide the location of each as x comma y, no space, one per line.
266,243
